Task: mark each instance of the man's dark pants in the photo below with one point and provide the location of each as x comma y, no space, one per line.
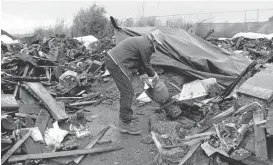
125,88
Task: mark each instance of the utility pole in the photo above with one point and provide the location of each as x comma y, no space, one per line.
245,15
245,20
143,8
210,21
258,15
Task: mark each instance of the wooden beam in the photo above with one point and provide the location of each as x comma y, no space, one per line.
83,103
24,115
159,157
260,140
189,143
15,147
15,93
26,70
92,144
199,135
216,119
17,158
41,92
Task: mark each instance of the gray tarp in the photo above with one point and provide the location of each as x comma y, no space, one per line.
192,55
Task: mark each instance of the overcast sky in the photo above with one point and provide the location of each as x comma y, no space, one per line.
22,16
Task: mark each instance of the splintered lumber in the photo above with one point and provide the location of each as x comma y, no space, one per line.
260,141
17,158
25,78
158,158
26,70
221,116
41,93
104,141
189,154
238,42
69,98
41,121
269,121
208,34
205,134
216,119
92,144
15,93
15,147
23,115
189,143
256,52
83,103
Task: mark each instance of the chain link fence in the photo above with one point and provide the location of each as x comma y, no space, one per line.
224,24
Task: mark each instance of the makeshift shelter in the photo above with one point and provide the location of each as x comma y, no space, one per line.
191,55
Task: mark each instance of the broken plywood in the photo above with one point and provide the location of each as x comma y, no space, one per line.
259,86
42,94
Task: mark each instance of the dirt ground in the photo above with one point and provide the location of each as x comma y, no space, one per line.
135,152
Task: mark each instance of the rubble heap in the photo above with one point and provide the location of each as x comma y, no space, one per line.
41,84
232,127
45,87
259,49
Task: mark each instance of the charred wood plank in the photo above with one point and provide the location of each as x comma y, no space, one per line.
50,103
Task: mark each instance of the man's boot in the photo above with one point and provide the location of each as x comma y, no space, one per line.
129,128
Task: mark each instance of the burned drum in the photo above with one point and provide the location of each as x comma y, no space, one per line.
160,95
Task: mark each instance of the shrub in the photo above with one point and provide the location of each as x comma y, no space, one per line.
90,21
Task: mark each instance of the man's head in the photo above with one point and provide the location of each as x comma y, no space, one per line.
158,37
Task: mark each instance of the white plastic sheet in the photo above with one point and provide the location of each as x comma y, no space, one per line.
87,40
251,35
54,136
8,40
143,97
106,73
196,89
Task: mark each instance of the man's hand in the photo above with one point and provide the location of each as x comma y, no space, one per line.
147,79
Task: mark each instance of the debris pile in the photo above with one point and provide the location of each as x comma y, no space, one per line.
46,85
41,85
253,45
231,126
99,49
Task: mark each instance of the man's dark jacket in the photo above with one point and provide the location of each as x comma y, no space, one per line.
133,55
